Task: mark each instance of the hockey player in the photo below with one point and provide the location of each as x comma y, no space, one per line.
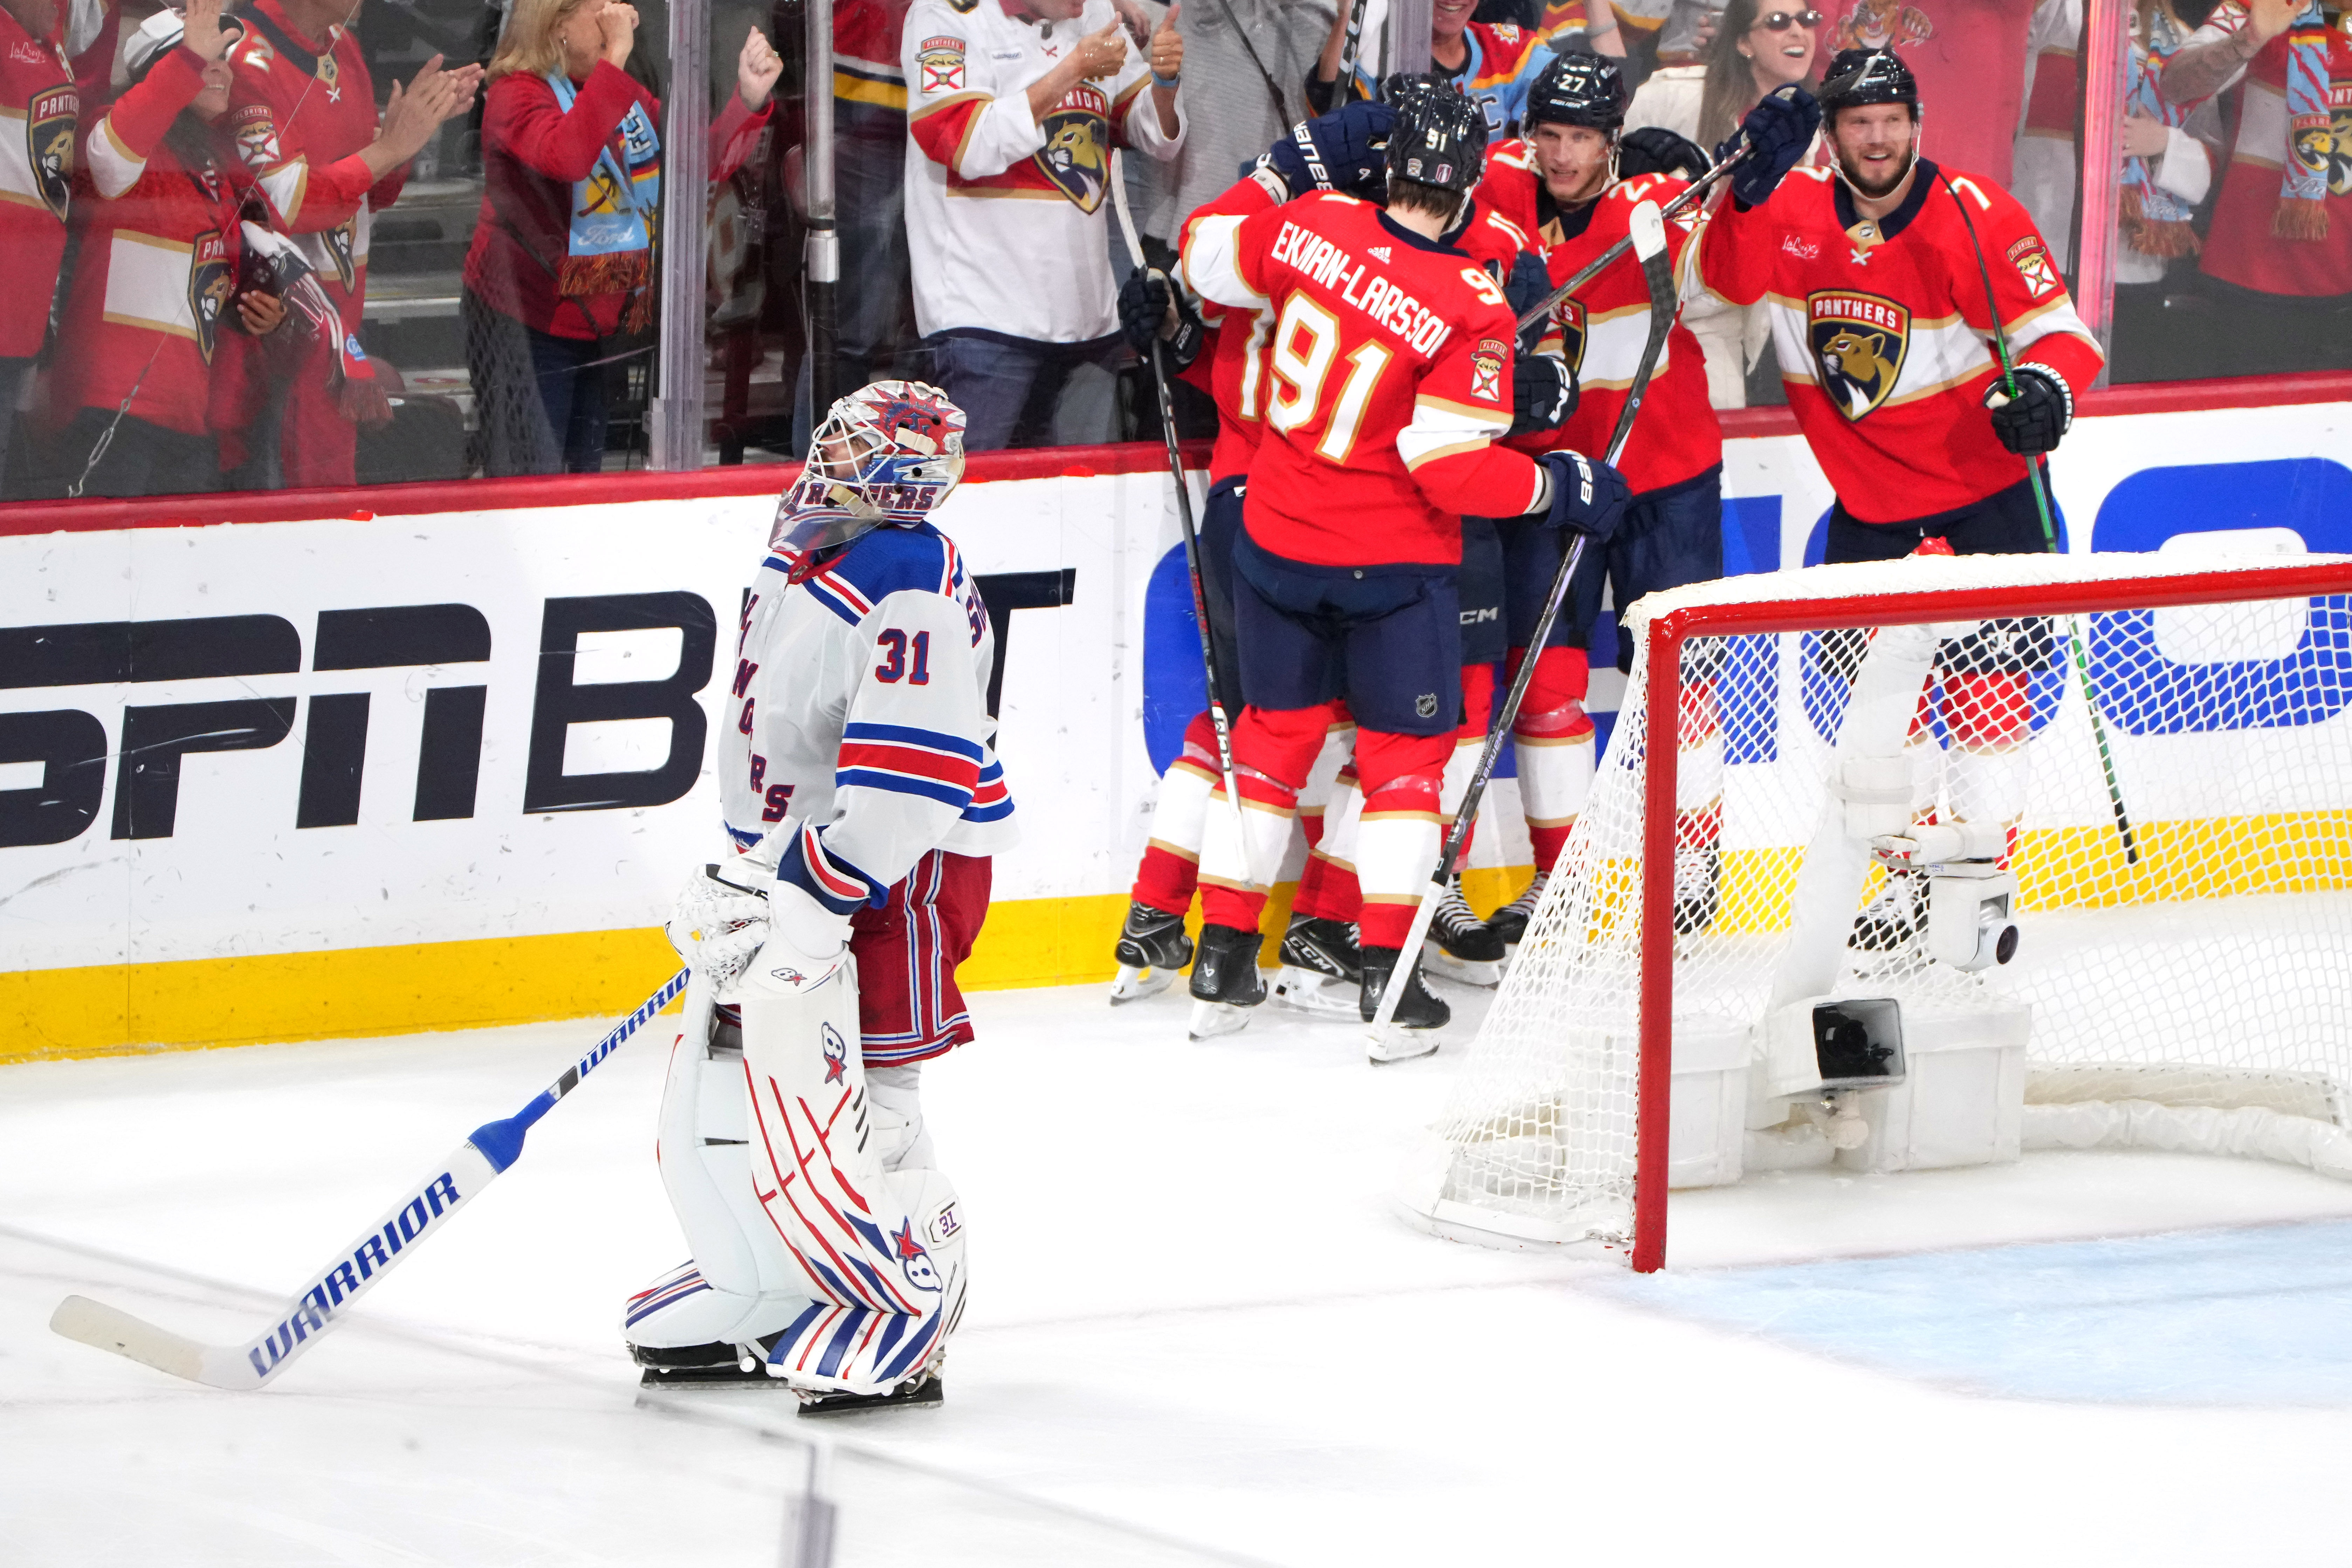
858,782
1875,275
1390,364
1561,184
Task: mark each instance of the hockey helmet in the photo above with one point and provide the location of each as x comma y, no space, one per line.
1578,90
1440,139
888,453
1859,76
159,34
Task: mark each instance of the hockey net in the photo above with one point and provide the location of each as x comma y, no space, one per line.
2191,988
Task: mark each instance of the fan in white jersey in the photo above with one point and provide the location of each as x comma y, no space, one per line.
858,784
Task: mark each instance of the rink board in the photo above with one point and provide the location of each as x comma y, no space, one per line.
438,757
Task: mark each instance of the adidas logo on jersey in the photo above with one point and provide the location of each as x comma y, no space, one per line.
1381,252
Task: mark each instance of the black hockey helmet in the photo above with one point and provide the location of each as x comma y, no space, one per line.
1858,77
1578,90
1440,140
1398,86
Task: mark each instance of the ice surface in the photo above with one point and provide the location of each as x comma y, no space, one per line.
1197,1333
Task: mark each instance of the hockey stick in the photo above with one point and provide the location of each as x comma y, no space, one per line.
2050,541
1217,716
1648,239
486,1151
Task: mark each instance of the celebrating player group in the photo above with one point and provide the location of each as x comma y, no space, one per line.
1420,430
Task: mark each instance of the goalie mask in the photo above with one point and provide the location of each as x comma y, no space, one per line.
888,453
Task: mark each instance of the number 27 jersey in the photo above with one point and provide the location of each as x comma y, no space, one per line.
1389,367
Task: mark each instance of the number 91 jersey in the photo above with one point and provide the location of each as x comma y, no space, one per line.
858,709
1388,372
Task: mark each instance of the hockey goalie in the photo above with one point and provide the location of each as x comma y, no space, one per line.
864,800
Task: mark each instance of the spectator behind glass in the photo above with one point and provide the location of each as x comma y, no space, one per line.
1247,60
1494,63
303,112
563,253
1969,57
1754,49
2278,256
37,92
1008,166
872,303
149,317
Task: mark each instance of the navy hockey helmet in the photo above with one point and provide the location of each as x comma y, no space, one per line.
1578,90
1440,140
1859,76
888,453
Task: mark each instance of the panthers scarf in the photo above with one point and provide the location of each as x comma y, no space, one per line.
2303,172
2155,222
613,210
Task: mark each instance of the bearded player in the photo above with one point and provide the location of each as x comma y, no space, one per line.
1885,277
1391,371
1561,184
858,784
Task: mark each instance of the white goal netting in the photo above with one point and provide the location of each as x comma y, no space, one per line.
2193,991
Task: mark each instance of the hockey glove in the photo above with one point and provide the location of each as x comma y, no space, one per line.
1345,151
716,924
2030,424
1654,149
1525,290
806,943
1151,307
1587,495
1778,130
1543,392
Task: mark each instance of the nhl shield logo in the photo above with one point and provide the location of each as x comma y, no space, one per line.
208,288
1076,132
1858,342
50,126
1568,316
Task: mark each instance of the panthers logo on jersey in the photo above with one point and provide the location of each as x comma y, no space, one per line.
209,285
2326,149
1568,320
1076,156
49,129
1858,342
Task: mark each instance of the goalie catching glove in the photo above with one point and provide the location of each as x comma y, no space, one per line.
2030,423
716,925
1588,497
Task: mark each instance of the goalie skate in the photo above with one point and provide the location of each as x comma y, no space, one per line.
1321,968
1152,948
927,1389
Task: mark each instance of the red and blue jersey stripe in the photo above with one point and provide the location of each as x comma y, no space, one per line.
909,761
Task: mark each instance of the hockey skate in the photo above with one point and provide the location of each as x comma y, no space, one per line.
1153,947
927,1389
1894,916
1225,983
1420,1013
685,1331
1321,968
1698,889
1510,921
1464,947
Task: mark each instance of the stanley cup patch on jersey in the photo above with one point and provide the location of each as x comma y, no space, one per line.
1486,369
1858,342
1076,156
2032,264
49,129
208,288
941,59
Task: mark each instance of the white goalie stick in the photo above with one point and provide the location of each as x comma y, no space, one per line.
1219,718
421,1212
1647,239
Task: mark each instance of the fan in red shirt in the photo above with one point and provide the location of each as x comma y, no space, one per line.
304,114
37,162
563,253
1390,370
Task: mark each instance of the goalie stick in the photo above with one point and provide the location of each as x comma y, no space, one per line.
1218,719
487,1152
1647,237
2050,539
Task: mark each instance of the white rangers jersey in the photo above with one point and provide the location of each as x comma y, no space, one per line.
859,710
1004,214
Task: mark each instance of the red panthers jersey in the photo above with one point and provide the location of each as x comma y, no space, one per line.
1884,332
1232,367
1388,377
1603,333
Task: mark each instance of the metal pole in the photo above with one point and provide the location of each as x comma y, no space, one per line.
2106,55
1409,24
823,249
676,415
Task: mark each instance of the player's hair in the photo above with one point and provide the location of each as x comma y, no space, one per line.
1434,200
529,45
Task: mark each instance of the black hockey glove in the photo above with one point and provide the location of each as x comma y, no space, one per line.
1543,392
1147,303
1525,288
1780,128
1654,149
1587,495
1345,151
2030,424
